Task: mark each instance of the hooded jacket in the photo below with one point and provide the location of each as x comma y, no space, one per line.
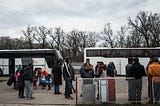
154,71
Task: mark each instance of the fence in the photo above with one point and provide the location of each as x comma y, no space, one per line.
118,90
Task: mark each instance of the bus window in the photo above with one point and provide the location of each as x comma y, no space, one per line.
138,53
93,53
90,53
155,53
108,53
122,53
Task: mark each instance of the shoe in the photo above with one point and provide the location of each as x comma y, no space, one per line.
28,98
22,97
57,93
32,97
70,97
66,96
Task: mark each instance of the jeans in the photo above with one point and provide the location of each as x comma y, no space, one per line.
29,89
68,87
56,88
157,90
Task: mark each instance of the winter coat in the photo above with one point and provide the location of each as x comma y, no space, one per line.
20,81
111,70
28,74
87,71
57,73
71,72
128,68
137,71
154,71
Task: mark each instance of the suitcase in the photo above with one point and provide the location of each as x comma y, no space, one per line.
10,81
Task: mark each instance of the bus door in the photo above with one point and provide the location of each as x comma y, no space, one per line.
11,65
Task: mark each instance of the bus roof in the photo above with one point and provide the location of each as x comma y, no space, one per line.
19,53
92,48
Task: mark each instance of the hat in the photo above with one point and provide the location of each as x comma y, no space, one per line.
155,59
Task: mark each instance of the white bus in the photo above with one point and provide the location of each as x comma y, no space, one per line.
119,56
41,58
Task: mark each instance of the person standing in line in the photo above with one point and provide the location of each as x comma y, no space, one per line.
154,75
87,71
128,68
21,85
111,69
96,67
68,73
72,79
16,75
100,73
150,80
57,76
28,79
137,71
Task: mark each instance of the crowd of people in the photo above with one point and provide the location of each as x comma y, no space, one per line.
25,79
134,73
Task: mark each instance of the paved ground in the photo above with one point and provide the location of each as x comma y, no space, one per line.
45,97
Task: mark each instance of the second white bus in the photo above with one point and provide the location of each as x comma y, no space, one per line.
119,56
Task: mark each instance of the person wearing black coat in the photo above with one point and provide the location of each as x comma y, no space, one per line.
68,75
28,79
21,85
137,71
57,76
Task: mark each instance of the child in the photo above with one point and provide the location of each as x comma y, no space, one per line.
43,81
16,75
49,81
21,85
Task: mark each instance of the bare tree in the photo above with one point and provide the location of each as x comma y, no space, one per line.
155,29
122,36
29,36
73,42
57,37
108,37
40,35
6,42
147,26
19,43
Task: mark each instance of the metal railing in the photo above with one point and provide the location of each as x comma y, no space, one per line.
118,90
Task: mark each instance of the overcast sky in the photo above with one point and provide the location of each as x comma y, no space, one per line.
90,15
